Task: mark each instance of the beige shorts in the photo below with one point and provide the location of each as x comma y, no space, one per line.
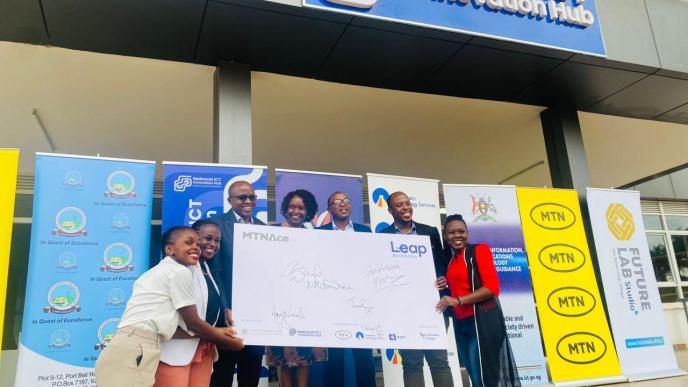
130,359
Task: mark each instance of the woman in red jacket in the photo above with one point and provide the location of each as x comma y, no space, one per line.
478,320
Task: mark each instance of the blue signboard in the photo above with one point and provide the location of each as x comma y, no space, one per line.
89,243
571,25
193,191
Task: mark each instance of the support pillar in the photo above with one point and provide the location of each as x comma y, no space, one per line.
232,134
568,165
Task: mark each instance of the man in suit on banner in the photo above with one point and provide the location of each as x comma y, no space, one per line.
399,206
242,198
339,207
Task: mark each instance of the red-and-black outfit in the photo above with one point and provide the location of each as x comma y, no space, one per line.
479,328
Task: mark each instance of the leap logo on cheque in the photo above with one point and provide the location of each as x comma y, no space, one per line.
407,251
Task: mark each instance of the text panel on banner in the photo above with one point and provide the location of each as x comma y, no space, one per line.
199,191
9,163
321,185
635,308
424,197
574,327
89,242
491,214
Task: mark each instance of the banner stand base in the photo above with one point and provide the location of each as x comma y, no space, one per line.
656,375
592,382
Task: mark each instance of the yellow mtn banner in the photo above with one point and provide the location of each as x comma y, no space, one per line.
572,320
9,162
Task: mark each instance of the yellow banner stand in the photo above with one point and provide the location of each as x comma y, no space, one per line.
9,163
579,346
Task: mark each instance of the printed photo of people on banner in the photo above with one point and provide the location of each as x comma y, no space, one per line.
314,296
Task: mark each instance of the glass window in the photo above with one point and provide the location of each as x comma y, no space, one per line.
660,260
652,222
16,285
677,222
680,243
669,294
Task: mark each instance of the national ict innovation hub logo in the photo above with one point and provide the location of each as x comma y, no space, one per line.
620,221
182,182
120,184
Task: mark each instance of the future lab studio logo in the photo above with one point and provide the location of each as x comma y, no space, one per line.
362,4
182,182
120,184
620,221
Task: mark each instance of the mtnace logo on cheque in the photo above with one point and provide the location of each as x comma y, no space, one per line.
264,236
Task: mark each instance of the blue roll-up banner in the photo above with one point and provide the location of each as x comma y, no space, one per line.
90,241
193,191
491,214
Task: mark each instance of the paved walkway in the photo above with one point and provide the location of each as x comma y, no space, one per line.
682,381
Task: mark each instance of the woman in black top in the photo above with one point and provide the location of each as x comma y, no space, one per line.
198,371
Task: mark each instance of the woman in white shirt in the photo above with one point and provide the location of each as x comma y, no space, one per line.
161,298
187,361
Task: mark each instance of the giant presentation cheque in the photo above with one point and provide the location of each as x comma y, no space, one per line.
298,287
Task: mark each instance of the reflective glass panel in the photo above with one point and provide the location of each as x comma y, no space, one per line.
660,260
652,222
677,222
680,243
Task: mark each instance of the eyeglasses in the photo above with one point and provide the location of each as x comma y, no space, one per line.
339,202
243,198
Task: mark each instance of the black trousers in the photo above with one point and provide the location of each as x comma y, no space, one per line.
334,367
247,361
